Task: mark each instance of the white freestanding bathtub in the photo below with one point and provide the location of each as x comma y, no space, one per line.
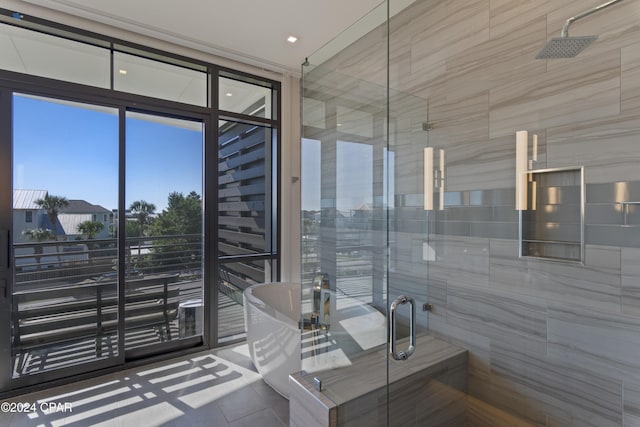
272,313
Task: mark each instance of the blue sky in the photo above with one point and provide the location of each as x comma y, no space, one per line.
354,173
73,152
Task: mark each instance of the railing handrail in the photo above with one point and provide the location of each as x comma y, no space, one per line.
107,240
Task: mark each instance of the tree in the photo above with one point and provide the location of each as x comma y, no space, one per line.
131,228
39,235
90,228
182,220
182,216
142,210
52,205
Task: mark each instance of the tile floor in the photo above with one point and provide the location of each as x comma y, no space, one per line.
219,388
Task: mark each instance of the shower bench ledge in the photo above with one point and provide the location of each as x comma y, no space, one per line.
427,389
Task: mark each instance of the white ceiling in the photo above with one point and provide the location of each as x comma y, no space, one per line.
253,31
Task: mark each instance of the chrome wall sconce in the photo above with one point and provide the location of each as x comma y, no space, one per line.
433,178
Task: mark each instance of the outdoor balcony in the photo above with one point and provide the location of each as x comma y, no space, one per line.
66,298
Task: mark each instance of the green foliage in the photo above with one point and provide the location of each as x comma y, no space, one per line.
182,216
90,228
143,211
52,205
132,229
38,234
182,219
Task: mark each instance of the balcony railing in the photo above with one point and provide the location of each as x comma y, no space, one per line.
67,262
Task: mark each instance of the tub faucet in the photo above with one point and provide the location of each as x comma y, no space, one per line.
321,301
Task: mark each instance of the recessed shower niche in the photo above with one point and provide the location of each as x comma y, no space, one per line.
552,222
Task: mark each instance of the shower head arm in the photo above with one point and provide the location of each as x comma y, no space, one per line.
565,29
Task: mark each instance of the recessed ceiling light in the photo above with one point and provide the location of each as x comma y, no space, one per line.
292,39
123,72
229,94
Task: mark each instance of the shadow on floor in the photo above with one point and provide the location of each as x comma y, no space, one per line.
217,388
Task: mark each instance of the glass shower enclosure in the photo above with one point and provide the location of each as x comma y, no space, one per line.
372,184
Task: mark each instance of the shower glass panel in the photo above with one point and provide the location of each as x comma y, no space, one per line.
371,183
345,228
538,335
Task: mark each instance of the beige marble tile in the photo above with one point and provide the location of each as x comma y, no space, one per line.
631,281
481,165
580,91
460,260
631,403
434,90
447,28
458,122
497,62
630,80
556,387
466,24
599,341
504,401
596,284
482,414
607,147
500,316
369,409
307,407
428,44
477,345
366,58
510,15
437,297
399,38
427,400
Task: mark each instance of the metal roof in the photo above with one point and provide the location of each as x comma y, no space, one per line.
83,207
70,222
25,199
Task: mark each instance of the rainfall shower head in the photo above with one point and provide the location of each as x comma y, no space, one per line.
565,47
568,47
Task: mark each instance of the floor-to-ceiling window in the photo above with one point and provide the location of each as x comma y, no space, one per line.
65,183
247,228
132,223
163,227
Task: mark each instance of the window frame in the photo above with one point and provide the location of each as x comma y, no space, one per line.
11,82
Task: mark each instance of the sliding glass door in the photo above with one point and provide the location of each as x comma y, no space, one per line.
94,287
65,194
163,236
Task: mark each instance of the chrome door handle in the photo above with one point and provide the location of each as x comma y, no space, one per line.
402,355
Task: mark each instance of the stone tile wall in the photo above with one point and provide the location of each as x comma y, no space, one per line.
550,343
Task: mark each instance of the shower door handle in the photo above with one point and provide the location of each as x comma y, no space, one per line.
403,354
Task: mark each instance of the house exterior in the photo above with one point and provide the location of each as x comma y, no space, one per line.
29,216
79,211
